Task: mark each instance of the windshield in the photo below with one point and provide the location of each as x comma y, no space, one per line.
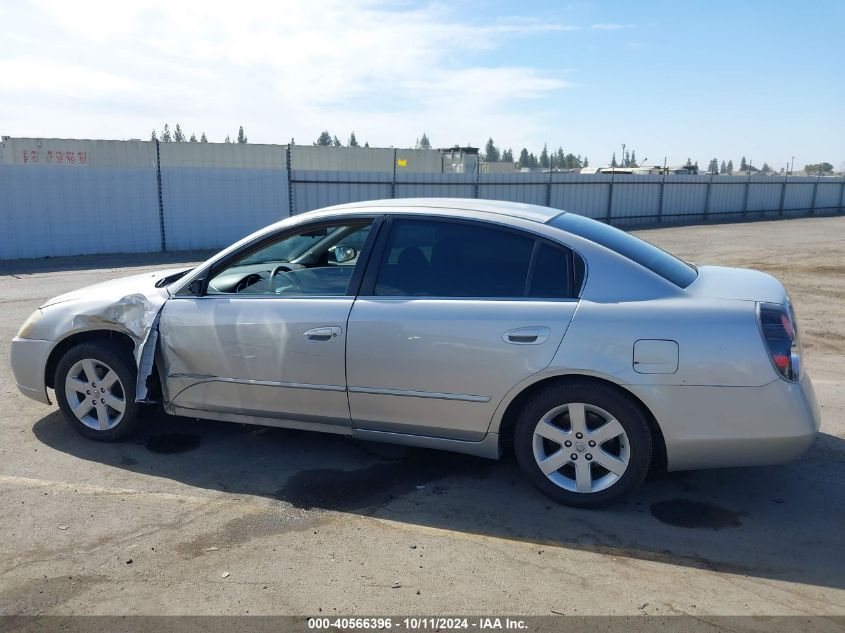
655,259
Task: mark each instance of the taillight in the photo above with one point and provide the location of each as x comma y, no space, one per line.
780,331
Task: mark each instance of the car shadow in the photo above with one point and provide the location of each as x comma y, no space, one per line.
782,522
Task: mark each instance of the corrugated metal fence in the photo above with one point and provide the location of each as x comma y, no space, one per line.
67,197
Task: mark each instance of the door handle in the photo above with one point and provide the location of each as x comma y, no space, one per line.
527,335
322,334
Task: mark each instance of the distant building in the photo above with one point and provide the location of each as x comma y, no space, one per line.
498,167
644,170
683,170
460,160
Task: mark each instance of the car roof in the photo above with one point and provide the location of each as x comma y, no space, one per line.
531,212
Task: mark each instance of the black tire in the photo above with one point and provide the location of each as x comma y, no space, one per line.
621,407
123,364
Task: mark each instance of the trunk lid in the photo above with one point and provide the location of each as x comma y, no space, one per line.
744,284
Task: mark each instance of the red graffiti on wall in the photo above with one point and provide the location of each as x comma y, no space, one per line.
54,157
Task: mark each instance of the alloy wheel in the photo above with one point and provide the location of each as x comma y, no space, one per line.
95,394
581,447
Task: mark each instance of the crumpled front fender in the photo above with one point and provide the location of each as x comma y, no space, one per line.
130,305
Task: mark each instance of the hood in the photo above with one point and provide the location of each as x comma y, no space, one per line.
744,284
128,304
116,288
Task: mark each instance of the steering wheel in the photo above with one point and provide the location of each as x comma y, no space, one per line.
291,280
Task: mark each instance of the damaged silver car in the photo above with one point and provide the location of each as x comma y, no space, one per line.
463,325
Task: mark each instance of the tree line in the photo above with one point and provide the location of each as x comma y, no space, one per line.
178,136
715,167
327,140
557,159
629,159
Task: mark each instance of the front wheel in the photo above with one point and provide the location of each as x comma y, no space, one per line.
583,444
95,389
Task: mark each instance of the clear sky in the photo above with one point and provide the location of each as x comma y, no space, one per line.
679,79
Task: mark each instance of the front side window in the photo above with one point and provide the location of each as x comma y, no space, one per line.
316,261
429,258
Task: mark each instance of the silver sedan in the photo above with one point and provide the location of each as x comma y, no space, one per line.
464,325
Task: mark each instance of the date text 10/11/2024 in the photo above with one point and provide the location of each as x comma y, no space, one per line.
417,623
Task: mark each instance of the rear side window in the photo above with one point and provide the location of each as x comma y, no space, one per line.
429,258
656,260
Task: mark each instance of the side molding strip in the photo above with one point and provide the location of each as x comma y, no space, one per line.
200,378
420,394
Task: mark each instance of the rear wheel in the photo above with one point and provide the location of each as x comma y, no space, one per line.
583,444
95,388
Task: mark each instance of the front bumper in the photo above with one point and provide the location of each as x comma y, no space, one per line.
29,360
715,427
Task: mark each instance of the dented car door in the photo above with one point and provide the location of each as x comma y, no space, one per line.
273,358
267,337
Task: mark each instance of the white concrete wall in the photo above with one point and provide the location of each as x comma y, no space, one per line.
73,197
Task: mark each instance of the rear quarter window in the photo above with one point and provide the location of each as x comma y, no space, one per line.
551,277
647,255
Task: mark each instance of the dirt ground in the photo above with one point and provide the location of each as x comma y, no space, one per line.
215,518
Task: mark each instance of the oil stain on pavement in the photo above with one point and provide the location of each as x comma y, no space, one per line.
171,443
694,514
376,484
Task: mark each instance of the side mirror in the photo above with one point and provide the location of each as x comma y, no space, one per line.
195,287
343,254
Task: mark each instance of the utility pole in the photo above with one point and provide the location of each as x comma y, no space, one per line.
622,164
